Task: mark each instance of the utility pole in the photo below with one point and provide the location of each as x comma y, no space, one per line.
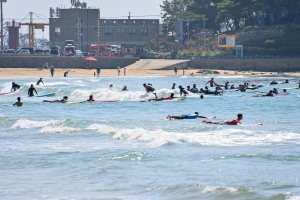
2,34
98,53
176,28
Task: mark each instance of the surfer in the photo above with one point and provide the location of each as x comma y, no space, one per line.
66,73
187,116
119,70
14,87
173,87
194,89
227,122
64,100
31,90
40,81
211,82
164,98
91,99
18,103
182,91
111,86
273,83
148,88
125,88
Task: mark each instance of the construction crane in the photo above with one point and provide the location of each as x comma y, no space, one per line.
31,27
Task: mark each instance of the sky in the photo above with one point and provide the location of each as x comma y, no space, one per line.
19,9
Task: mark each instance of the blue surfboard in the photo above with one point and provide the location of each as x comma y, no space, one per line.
46,94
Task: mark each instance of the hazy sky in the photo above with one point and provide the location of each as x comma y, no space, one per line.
19,9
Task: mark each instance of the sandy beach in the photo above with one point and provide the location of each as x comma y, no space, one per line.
29,72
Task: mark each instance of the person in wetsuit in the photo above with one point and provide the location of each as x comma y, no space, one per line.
40,81
91,99
182,91
173,87
187,116
31,90
18,103
14,87
64,100
148,88
227,122
164,98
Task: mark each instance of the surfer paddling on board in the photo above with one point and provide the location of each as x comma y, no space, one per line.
18,103
164,98
64,100
227,122
187,116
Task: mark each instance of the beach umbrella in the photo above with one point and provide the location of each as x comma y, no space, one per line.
91,58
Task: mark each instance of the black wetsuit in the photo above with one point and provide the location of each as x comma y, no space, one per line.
15,87
39,81
30,91
65,74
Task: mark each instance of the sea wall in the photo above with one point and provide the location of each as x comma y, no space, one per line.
273,65
28,61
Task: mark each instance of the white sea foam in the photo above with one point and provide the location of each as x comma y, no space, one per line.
52,129
26,124
209,189
107,94
219,137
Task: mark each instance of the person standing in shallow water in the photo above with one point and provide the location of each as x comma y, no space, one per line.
31,90
52,70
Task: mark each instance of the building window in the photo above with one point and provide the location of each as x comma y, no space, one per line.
134,22
132,31
79,29
104,21
79,21
57,31
143,30
108,31
121,31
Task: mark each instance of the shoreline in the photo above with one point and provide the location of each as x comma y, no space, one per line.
30,72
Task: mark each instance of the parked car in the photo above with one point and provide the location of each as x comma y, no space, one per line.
30,49
39,51
1,52
24,51
47,51
93,53
78,53
54,52
10,51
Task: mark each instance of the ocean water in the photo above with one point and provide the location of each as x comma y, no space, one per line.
127,150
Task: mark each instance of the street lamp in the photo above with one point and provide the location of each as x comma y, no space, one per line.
188,23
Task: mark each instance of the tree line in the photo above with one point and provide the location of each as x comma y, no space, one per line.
223,15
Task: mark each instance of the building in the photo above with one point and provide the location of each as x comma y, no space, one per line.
85,27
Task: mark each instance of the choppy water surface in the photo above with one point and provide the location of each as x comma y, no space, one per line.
126,150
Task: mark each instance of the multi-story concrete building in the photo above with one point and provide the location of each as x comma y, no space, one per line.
85,27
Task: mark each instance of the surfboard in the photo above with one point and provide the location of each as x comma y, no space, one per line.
108,101
3,93
258,124
292,88
75,102
154,100
46,94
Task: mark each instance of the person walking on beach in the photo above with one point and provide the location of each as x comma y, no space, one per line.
18,103
124,71
227,122
52,70
14,87
211,82
98,71
183,72
31,90
175,70
66,73
40,81
119,70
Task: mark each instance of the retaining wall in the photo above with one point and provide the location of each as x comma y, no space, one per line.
274,65
28,61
